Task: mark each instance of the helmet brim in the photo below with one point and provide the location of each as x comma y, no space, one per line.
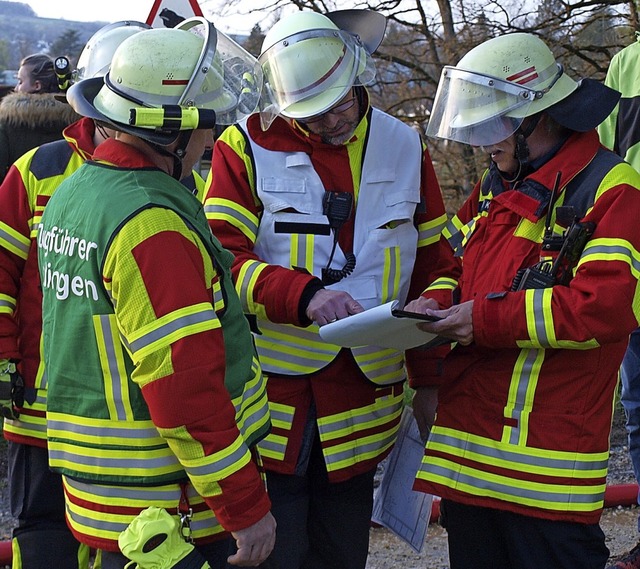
586,107
81,97
367,25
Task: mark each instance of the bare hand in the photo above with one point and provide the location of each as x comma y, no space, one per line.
254,543
456,323
330,305
425,402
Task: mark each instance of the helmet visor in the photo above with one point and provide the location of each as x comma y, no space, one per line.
307,73
472,108
226,77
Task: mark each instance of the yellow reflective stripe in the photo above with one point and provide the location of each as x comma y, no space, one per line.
540,495
382,411
292,349
612,250
113,368
99,519
352,452
206,471
7,304
30,425
301,251
453,226
273,447
13,241
94,431
142,463
248,276
218,296
233,213
540,324
429,232
390,274
172,327
524,380
522,459
281,415
443,283
252,406
382,366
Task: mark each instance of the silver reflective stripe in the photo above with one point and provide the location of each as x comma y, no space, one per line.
211,209
220,462
245,283
358,450
516,490
519,461
116,381
147,434
374,415
171,327
271,446
123,461
22,247
525,378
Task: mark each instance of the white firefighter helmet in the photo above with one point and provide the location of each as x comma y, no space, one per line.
171,79
485,98
96,56
311,60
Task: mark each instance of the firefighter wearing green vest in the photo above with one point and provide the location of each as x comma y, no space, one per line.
156,396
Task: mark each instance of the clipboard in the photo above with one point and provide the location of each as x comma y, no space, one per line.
378,326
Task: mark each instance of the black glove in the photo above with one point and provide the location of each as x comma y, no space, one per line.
11,389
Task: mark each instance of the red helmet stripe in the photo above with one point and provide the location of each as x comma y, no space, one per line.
523,77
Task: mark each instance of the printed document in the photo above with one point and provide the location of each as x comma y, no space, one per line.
396,505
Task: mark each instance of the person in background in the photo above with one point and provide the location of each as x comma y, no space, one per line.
334,208
620,131
36,496
32,115
548,242
155,394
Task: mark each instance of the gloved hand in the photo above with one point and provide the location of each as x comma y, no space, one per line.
11,389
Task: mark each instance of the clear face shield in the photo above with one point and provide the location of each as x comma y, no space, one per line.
226,77
480,110
307,73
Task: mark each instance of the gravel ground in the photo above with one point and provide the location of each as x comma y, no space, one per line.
386,551
619,524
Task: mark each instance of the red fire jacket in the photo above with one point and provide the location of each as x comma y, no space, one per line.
524,412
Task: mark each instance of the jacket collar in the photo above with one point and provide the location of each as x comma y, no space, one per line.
530,197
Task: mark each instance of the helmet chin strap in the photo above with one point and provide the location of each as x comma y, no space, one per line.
521,153
178,154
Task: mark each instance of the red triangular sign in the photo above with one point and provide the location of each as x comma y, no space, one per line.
169,13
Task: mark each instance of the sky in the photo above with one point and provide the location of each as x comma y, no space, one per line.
114,10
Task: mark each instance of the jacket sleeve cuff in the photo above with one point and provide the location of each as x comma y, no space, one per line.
493,320
242,513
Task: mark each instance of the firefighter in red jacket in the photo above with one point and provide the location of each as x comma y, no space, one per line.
36,495
333,209
549,247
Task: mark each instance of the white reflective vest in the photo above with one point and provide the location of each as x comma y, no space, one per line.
294,232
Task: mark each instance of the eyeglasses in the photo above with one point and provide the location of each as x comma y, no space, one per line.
338,109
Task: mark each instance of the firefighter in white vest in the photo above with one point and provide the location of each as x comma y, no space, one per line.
330,206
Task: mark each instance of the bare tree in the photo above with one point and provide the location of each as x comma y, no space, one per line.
422,37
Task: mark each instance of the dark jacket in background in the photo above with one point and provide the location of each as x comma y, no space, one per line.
28,120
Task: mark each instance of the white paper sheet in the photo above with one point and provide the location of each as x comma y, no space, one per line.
376,327
396,505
